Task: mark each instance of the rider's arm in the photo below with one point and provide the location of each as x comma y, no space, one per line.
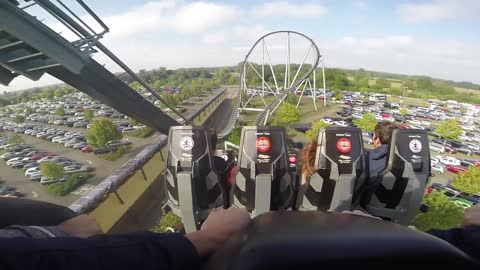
466,239
140,250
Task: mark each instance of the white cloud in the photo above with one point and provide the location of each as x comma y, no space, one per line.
200,16
406,55
284,8
440,10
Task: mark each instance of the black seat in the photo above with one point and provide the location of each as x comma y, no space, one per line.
318,240
193,186
401,186
263,181
340,172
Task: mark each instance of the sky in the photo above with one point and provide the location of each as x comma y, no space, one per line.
437,38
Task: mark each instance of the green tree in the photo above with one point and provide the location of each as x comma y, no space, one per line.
382,83
136,86
367,122
449,129
292,98
88,115
287,114
403,111
28,110
338,95
235,135
52,170
442,214
468,182
58,93
48,94
19,119
60,111
312,133
16,139
102,132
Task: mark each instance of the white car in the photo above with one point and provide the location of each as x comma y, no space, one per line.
341,123
328,121
473,146
56,139
32,171
434,160
12,160
449,160
468,128
414,122
438,168
437,148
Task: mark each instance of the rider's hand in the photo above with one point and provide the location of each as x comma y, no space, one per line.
218,228
472,216
81,226
226,221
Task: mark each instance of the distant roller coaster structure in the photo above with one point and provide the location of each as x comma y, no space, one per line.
267,71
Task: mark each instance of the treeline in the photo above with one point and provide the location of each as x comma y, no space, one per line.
36,94
178,85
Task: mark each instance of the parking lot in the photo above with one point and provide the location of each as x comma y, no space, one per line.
102,169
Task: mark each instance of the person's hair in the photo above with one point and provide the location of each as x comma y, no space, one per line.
384,130
308,158
213,138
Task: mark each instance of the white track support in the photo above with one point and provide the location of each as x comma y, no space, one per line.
271,67
324,84
287,57
315,90
260,76
263,68
314,99
266,117
303,90
301,65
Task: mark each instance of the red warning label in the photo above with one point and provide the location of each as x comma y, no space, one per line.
263,144
344,145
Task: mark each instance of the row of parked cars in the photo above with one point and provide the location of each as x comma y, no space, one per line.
456,195
441,164
29,158
451,146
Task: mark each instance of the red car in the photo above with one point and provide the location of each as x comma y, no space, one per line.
385,115
456,169
404,126
42,155
87,149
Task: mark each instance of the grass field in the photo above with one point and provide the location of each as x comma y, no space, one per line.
467,91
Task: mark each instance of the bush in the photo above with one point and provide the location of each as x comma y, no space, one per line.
443,213
168,220
114,155
52,170
141,133
64,188
468,182
312,133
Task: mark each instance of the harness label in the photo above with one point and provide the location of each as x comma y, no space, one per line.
415,146
263,144
344,145
186,143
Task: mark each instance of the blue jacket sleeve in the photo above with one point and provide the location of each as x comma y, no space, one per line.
141,250
468,239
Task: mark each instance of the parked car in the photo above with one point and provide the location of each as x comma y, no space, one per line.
456,169
438,168
437,148
87,149
104,150
449,160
